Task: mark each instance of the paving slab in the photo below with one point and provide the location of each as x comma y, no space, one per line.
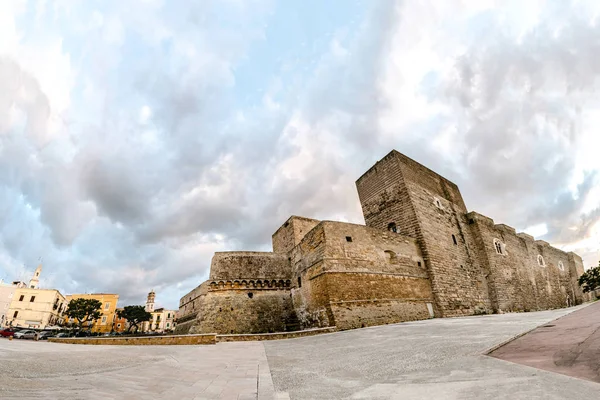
34,370
433,359
569,345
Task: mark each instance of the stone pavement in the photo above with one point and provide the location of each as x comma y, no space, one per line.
569,345
41,370
433,359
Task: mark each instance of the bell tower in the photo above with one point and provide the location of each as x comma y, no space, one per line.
34,283
150,301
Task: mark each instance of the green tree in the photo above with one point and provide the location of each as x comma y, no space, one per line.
84,310
135,315
590,280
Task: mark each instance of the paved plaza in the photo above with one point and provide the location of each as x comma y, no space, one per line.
433,359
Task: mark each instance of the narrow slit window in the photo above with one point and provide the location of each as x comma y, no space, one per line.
454,240
541,261
499,247
299,282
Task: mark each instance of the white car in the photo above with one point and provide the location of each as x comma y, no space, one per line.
21,334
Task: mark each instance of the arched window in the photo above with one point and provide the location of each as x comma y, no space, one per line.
499,246
392,227
561,266
541,260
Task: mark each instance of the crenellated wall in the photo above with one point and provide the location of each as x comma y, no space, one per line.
247,292
232,265
518,281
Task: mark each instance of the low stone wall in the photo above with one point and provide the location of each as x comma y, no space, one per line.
274,336
210,338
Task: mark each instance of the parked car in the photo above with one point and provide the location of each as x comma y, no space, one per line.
21,334
30,335
7,332
44,335
63,335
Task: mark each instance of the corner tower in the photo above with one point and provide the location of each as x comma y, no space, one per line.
400,195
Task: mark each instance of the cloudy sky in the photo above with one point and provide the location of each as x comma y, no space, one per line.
139,137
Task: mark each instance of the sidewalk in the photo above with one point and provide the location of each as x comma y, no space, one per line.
569,345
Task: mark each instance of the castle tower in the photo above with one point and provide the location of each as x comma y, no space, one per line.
34,283
402,196
150,301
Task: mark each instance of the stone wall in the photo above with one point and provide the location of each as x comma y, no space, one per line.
189,305
428,207
466,276
244,310
291,233
353,276
141,341
247,265
516,279
384,198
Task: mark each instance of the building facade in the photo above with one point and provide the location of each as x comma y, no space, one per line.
162,320
32,307
420,254
36,308
120,324
7,292
109,307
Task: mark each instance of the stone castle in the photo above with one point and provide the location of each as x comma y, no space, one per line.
420,255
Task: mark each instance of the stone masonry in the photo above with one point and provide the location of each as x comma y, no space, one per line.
421,254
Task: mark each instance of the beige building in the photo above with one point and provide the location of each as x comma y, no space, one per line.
109,307
36,308
162,321
32,307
